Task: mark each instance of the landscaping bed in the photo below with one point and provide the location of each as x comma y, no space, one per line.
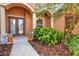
55,50
5,49
47,41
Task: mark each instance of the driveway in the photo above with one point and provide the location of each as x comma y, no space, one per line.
21,47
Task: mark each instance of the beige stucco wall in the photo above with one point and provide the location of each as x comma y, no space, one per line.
52,21
2,18
34,20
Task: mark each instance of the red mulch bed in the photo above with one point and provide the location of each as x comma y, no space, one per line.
44,50
5,49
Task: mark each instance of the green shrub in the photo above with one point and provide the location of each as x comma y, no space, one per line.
47,35
73,45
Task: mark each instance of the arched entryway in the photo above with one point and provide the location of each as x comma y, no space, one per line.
18,19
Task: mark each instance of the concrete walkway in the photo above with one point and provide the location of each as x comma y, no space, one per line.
21,47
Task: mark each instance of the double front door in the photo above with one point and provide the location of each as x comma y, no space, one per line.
16,25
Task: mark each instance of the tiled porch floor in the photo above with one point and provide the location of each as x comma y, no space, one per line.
21,47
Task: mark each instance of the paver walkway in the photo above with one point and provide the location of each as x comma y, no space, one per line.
21,47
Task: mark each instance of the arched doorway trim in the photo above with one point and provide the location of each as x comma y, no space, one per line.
25,6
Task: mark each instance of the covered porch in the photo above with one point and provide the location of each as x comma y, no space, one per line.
20,19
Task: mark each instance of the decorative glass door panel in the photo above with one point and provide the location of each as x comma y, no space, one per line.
16,26
20,26
12,25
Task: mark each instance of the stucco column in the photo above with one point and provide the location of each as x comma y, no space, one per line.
2,18
34,20
52,20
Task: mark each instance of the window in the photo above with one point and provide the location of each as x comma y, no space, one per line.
39,23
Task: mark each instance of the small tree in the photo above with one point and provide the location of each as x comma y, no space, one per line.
71,12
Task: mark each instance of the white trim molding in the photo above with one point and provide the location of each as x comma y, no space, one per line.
15,16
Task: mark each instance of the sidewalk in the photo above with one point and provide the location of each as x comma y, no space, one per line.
21,47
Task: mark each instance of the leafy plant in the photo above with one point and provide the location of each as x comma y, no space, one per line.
73,45
47,35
